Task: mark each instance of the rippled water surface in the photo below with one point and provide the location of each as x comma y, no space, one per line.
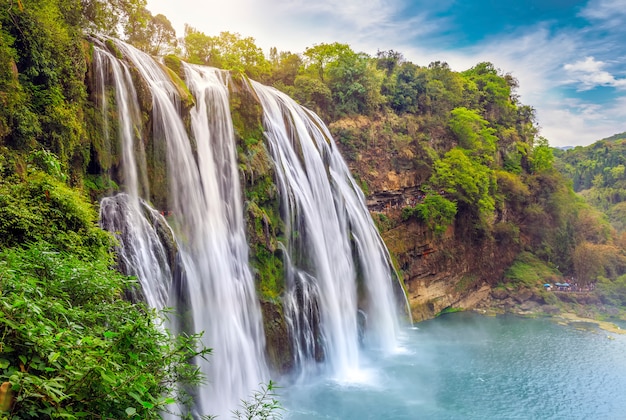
465,366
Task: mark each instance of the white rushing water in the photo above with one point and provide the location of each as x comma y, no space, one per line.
217,289
135,224
339,295
327,224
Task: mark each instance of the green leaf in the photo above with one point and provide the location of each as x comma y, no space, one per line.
130,411
4,363
109,334
147,405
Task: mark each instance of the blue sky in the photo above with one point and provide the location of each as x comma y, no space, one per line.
568,55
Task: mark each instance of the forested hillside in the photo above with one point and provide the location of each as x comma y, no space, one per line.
597,173
462,186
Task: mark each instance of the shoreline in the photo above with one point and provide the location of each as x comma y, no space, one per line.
570,318
563,318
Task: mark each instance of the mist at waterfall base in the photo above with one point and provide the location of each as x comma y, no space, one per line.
467,366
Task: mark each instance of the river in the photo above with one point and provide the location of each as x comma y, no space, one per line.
468,366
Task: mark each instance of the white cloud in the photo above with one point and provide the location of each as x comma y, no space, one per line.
610,13
589,73
573,123
361,14
367,25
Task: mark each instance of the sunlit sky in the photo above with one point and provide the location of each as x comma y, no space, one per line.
568,55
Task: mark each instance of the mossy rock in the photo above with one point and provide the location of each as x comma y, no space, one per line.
186,98
279,349
175,64
110,44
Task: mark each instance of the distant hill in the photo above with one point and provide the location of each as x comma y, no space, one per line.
614,137
598,172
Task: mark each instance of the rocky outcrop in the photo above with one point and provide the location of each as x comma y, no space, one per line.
446,272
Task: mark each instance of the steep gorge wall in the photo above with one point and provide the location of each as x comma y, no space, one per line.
446,272
392,158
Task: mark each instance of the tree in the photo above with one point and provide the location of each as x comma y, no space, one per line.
437,211
198,47
163,36
228,51
408,92
589,261
466,180
314,94
388,60
445,89
495,93
473,133
320,55
355,84
285,67
541,156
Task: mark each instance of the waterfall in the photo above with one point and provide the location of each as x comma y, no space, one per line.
216,291
138,227
339,280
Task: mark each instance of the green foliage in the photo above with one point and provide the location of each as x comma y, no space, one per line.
152,34
541,156
383,222
320,55
43,208
131,21
473,133
45,81
404,92
612,292
229,51
48,163
529,270
597,173
313,93
437,211
72,347
355,84
270,272
285,67
449,310
494,92
263,405
466,180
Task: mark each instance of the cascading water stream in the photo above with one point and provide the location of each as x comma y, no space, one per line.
138,228
216,292
338,272
327,223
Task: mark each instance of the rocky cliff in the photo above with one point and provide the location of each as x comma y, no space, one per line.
392,158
